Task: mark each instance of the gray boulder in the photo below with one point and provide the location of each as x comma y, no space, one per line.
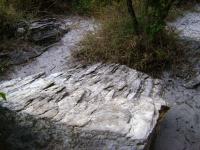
46,31
95,107
42,31
34,39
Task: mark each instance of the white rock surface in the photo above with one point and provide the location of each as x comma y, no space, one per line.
189,25
109,106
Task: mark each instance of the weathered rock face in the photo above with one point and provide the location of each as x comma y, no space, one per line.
43,31
97,107
46,31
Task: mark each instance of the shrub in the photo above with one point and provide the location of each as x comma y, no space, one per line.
2,96
90,6
116,42
8,18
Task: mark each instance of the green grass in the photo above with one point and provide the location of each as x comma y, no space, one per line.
8,17
2,96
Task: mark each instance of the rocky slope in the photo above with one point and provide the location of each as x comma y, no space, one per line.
181,128
97,107
32,38
53,58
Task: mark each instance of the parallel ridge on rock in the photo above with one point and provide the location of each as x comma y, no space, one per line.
96,107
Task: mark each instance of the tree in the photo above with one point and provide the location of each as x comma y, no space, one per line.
132,13
151,18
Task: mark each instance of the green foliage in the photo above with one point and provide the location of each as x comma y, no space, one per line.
3,66
151,15
8,18
3,96
37,6
153,29
83,5
88,6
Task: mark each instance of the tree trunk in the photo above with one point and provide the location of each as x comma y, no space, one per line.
132,13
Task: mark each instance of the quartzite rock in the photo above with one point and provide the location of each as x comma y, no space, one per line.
96,107
46,31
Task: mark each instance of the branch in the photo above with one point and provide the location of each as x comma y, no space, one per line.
167,9
132,14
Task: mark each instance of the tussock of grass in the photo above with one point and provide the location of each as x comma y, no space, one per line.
116,43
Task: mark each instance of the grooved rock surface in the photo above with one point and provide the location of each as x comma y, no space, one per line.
46,31
96,107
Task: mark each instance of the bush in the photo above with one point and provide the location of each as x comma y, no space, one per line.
9,16
116,42
12,11
2,96
90,6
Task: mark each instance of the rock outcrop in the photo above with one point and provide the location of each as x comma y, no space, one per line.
189,25
43,31
34,38
46,31
95,107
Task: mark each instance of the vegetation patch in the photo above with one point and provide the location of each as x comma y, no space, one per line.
143,42
2,96
116,42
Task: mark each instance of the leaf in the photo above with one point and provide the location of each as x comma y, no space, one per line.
3,96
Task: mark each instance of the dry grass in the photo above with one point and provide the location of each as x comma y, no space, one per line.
116,43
